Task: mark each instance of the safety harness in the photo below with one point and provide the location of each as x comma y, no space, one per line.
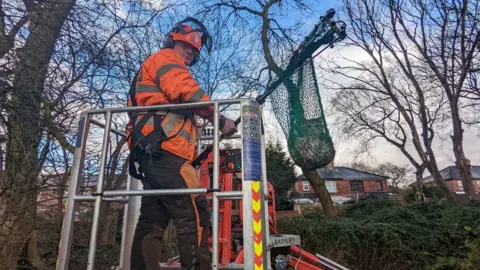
144,145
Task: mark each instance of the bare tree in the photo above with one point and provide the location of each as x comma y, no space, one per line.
369,114
56,60
276,43
24,127
449,52
471,98
229,70
396,174
444,37
470,95
62,57
392,96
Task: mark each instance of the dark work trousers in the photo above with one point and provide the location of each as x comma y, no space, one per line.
164,170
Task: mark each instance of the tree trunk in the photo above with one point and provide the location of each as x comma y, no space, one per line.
115,215
17,220
461,161
432,162
32,252
17,216
60,195
443,186
318,185
433,169
428,157
29,256
464,165
105,222
419,196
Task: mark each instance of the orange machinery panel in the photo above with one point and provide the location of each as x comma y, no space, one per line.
231,219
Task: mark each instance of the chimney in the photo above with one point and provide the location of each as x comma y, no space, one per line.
331,165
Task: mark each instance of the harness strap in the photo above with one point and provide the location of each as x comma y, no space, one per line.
151,142
146,144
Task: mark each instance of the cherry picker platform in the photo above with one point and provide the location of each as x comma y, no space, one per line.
243,232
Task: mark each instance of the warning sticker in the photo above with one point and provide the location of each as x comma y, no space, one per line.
251,127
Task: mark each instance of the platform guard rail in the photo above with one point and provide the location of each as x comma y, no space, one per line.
255,222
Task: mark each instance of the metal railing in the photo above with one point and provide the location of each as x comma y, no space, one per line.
252,145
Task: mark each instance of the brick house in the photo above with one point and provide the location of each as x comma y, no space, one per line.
452,178
343,181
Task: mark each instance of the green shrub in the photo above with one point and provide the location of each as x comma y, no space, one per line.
284,204
106,257
431,192
472,259
380,234
49,231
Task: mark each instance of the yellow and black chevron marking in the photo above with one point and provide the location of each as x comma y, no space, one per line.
257,225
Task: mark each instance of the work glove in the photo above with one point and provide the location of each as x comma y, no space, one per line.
227,127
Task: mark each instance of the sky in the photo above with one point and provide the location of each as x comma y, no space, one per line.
381,151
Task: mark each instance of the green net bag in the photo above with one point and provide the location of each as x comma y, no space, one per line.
298,107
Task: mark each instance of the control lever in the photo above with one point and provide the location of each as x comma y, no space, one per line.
204,155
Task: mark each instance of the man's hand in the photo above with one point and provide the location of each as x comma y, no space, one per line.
228,128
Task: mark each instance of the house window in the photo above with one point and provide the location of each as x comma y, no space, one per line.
306,186
331,186
460,185
356,186
379,186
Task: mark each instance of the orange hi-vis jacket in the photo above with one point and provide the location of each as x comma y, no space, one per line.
165,79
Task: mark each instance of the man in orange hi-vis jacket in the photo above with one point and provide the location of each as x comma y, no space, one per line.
163,146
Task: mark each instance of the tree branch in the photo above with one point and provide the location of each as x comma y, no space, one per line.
266,44
17,27
53,129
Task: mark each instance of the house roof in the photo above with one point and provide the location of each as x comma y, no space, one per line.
452,172
344,173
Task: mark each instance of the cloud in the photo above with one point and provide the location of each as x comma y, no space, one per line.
382,151
157,4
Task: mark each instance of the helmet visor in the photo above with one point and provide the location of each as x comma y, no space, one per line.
197,26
